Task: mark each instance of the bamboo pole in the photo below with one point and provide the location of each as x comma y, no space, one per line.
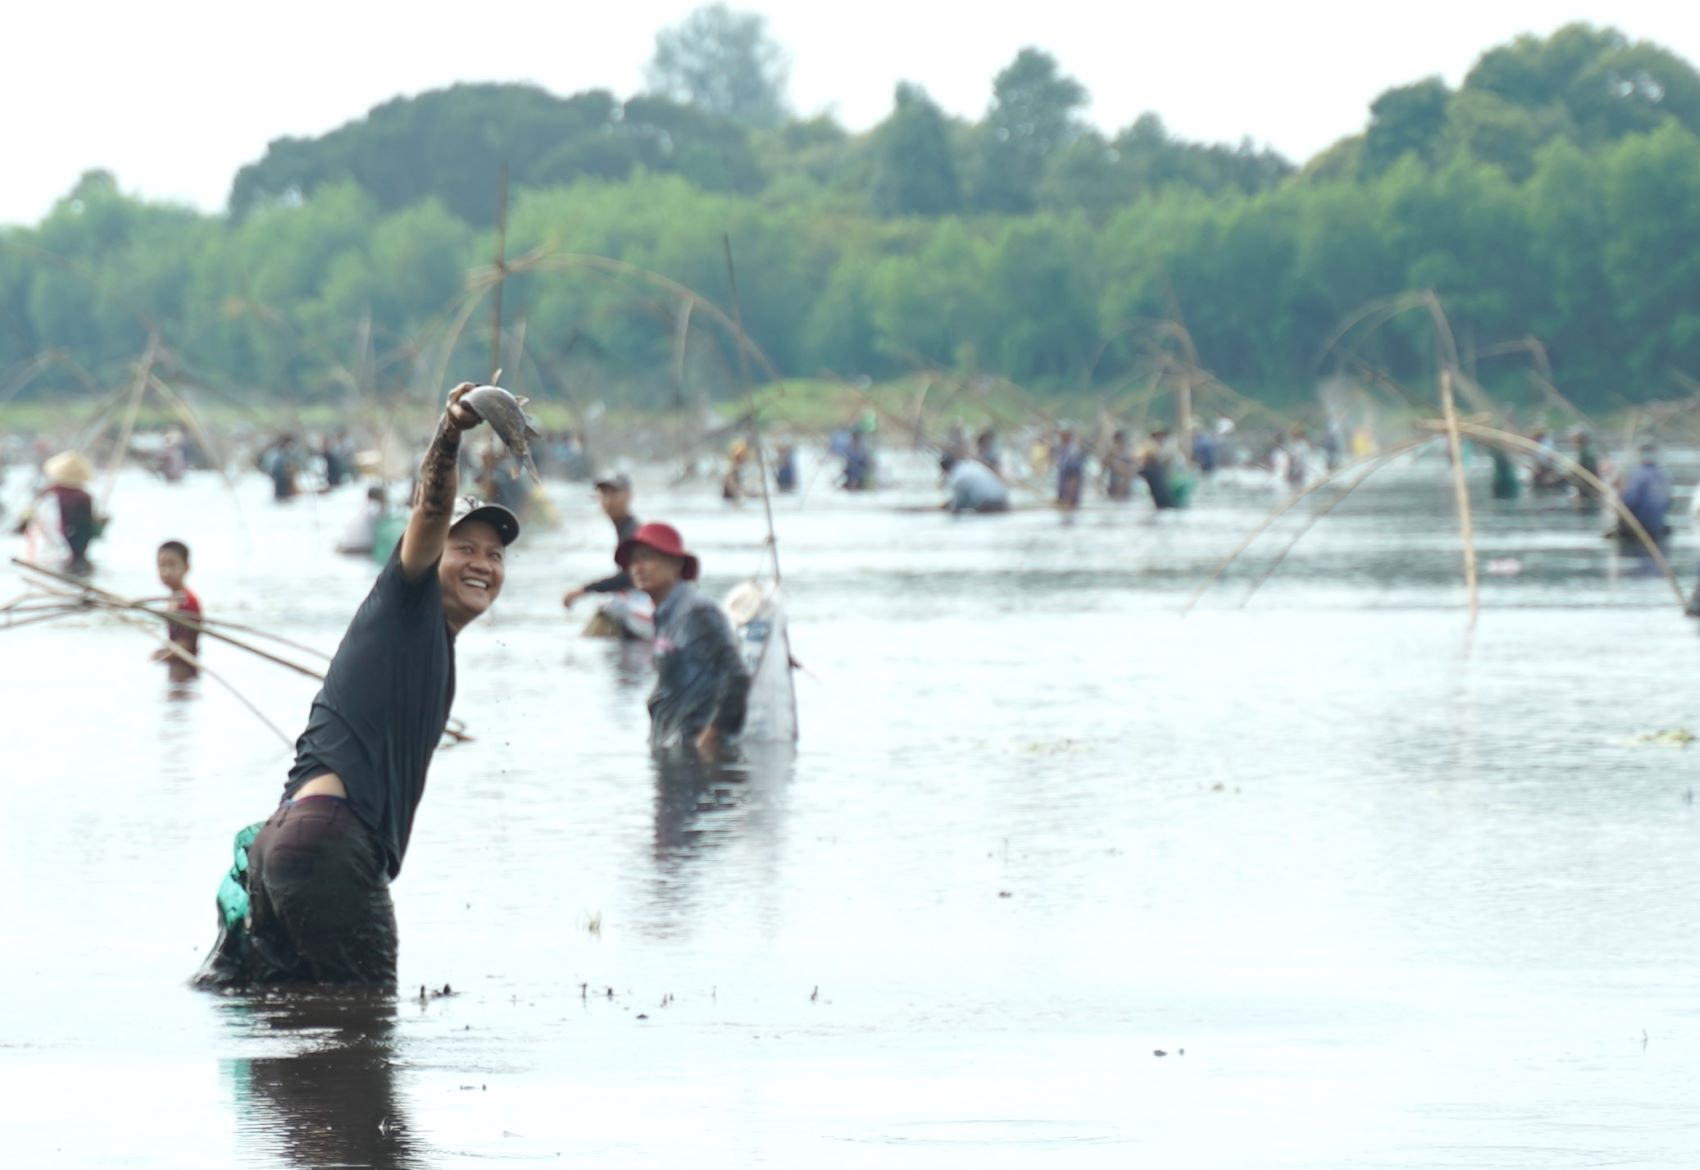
113,601
1461,488
45,615
126,609
1370,466
1581,474
755,429
120,448
501,272
919,424
1281,510
541,260
177,651
1184,414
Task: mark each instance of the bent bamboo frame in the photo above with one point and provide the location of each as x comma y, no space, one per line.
1576,471
1282,509
1370,466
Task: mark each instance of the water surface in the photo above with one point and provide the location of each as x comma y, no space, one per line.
1406,894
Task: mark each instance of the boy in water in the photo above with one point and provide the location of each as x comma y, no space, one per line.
173,562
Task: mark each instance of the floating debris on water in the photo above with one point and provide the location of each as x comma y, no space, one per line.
1665,737
1054,747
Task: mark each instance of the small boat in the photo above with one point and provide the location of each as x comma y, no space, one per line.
757,610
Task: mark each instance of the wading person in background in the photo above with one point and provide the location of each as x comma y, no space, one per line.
172,561
858,464
732,483
1588,459
974,487
701,682
1507,484
1648,498
1070,462
68,474
1546,476
282,462
627,611
318,874
1120,468
1154,469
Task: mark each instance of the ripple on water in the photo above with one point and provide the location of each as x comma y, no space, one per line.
999,1131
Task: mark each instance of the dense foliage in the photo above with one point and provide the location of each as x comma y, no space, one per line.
1555,194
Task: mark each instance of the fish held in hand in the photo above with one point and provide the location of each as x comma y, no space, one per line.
503,411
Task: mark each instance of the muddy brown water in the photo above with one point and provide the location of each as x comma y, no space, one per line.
1406,896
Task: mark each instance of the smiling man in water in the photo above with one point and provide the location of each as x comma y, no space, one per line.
319,871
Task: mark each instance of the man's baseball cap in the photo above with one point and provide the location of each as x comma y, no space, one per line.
503,521
618,482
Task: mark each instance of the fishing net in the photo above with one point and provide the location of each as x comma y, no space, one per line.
233,890
226,964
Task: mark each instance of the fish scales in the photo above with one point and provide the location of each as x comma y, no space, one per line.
506,415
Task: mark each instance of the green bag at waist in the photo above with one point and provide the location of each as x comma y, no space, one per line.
233,890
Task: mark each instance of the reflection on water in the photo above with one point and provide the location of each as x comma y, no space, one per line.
701,807
1402,887
634,664
691,796
328,1099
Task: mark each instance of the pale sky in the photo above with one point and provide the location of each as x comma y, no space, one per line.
174,95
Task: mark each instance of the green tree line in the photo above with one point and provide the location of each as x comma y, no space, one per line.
1554,194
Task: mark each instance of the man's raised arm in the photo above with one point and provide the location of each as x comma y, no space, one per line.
439,483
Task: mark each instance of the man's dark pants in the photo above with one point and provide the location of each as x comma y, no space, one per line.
319,899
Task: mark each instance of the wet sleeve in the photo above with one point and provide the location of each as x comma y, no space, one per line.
732,677
618,583
394,588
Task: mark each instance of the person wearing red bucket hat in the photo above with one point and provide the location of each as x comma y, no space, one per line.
702,685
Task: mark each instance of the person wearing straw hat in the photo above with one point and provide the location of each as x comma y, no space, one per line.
702,685
68,475
318,872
